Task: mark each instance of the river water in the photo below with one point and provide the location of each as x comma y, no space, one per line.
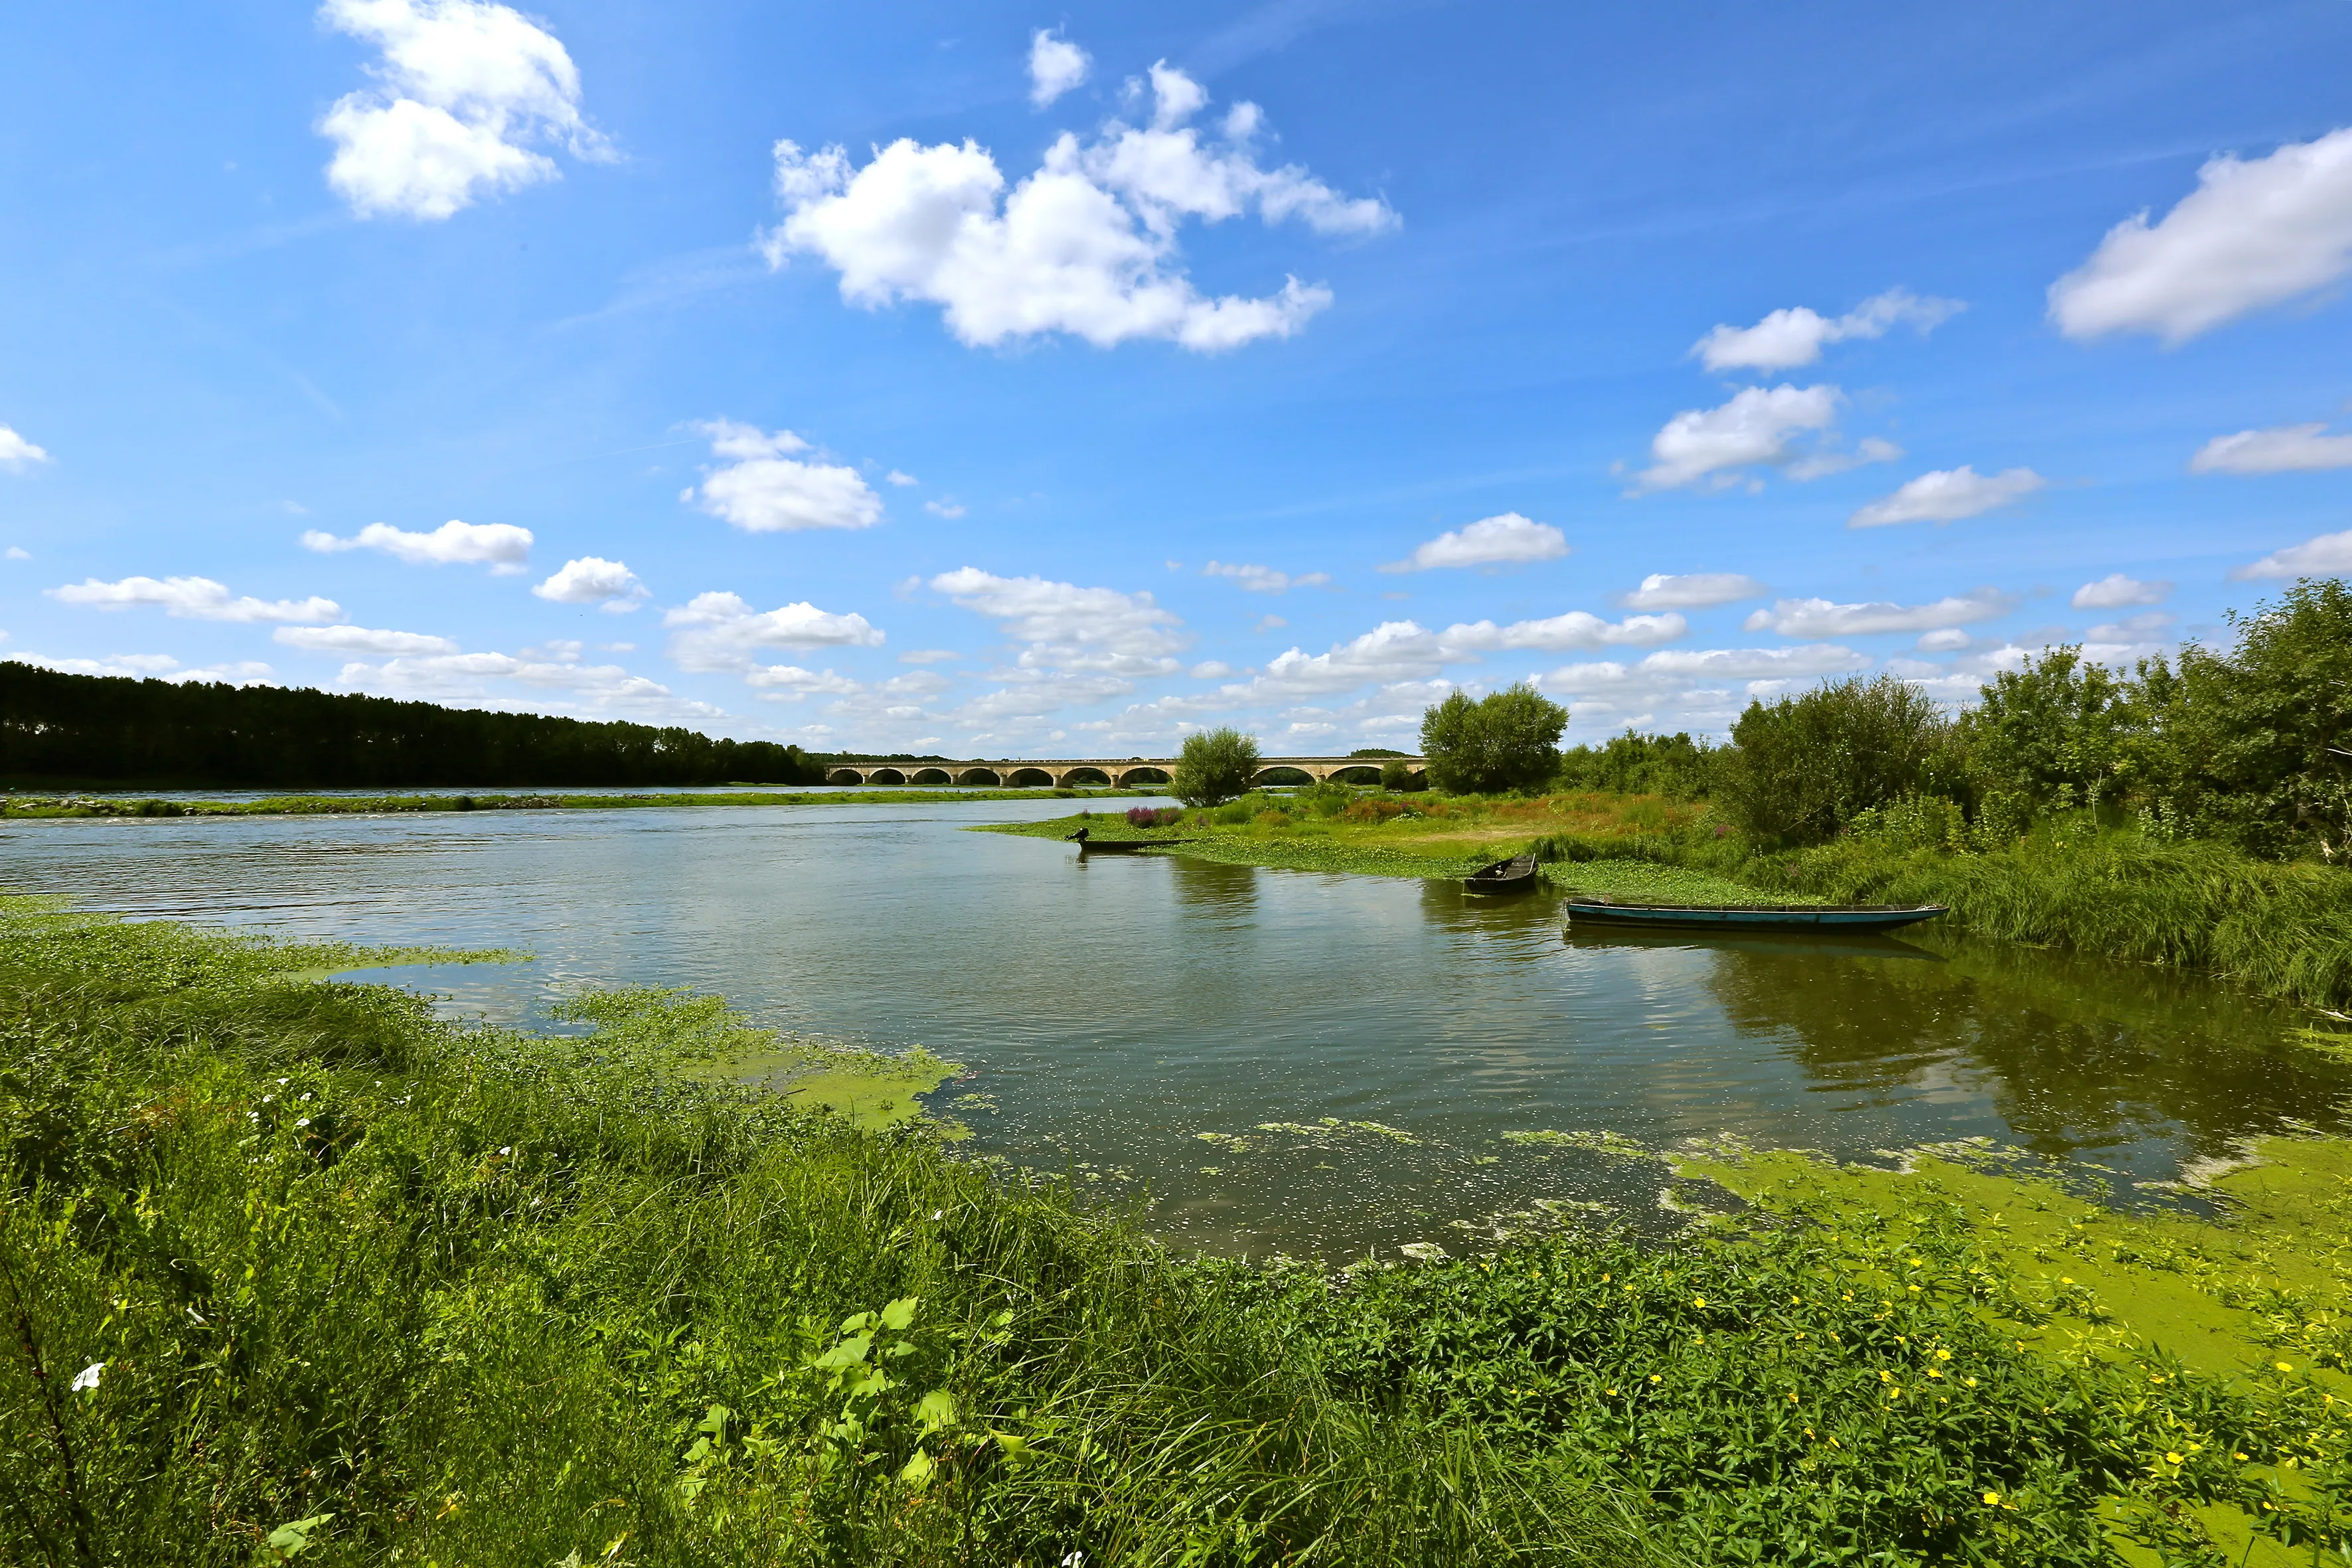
1367,1056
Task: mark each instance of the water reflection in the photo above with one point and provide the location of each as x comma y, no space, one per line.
1115,1009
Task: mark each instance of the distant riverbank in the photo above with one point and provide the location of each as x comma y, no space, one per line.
30,806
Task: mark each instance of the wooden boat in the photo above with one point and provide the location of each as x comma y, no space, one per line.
1125,846
1841,917
1516,875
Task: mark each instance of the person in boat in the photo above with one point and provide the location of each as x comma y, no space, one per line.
1080,836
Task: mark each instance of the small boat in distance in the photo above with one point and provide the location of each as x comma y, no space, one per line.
1516,875
1591,911
1125,846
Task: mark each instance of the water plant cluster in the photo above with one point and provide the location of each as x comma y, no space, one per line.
292,1268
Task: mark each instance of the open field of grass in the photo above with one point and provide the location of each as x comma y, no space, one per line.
291,1268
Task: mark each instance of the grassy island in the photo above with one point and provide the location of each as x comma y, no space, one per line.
292,1268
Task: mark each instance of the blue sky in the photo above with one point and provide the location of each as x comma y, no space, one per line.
996,381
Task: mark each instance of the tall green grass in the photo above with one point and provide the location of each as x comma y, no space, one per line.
2283,928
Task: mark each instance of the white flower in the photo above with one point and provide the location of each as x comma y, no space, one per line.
507,1150
937,1214
88,1376
302,1122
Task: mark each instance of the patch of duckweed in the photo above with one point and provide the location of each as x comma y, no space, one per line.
871,1089
1605,1141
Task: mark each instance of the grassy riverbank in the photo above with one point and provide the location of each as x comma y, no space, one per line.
285,1261
1602,843
2109,889
32,806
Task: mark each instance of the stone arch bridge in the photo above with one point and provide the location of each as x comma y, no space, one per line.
1118,772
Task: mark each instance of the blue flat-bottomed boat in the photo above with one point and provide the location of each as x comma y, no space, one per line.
1843,918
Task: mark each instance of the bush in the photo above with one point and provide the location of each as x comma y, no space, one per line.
1674,766
1805,765
1507,739
1398,777
1215,766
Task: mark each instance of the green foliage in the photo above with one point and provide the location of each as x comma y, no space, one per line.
2057,733
105,728
1215,766
1804,765
1507,739
1398,777
2281,928
2258,742
1674,766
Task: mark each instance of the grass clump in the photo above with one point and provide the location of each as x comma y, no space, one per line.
2283,928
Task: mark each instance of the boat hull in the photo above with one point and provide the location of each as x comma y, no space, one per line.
1848,918
1512,876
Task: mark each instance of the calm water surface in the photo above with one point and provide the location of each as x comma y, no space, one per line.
1112,1011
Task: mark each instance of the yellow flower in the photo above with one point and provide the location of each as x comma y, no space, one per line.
2240,1458
1885,1375
1613,1393
1934,1372
1698,1300
1971,1383
2283,1366
1655,1378
2171,1458
1918,1263
1911,1287
1943,1355
1992,1499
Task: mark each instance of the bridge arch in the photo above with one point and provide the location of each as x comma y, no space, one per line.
1282,774
886,777
1086,777
1356,772
929,777
980,776
844,776
1146,774
1026,778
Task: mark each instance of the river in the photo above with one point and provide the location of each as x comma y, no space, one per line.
1401,1039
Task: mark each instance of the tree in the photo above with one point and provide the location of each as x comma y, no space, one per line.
1804,766
1398,777
2059,732
1506,740
1215,766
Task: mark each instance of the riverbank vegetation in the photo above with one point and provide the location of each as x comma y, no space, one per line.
36,806
111,733
292,1269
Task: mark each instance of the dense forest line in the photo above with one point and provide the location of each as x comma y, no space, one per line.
91,732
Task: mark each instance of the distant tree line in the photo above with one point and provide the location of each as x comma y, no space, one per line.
95,731
2249,744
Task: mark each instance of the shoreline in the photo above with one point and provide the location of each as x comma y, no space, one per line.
66,807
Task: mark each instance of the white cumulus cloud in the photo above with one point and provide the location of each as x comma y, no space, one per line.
1824,618
593,580
193,599
16,454
2255,232
1947,495
721,632
1266,579
1692,591
502,547
464,95
1067,627
2289,449
1795,336
1392,651
2329,555
349,640
2115,591
1557,633
1085,245
1757,427
1506,540
766,490
1055,66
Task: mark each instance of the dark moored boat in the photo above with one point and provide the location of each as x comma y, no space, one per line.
1125,846
1590,912
1512,876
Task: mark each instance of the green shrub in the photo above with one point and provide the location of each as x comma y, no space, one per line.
1215,766
1507,739
1806,764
